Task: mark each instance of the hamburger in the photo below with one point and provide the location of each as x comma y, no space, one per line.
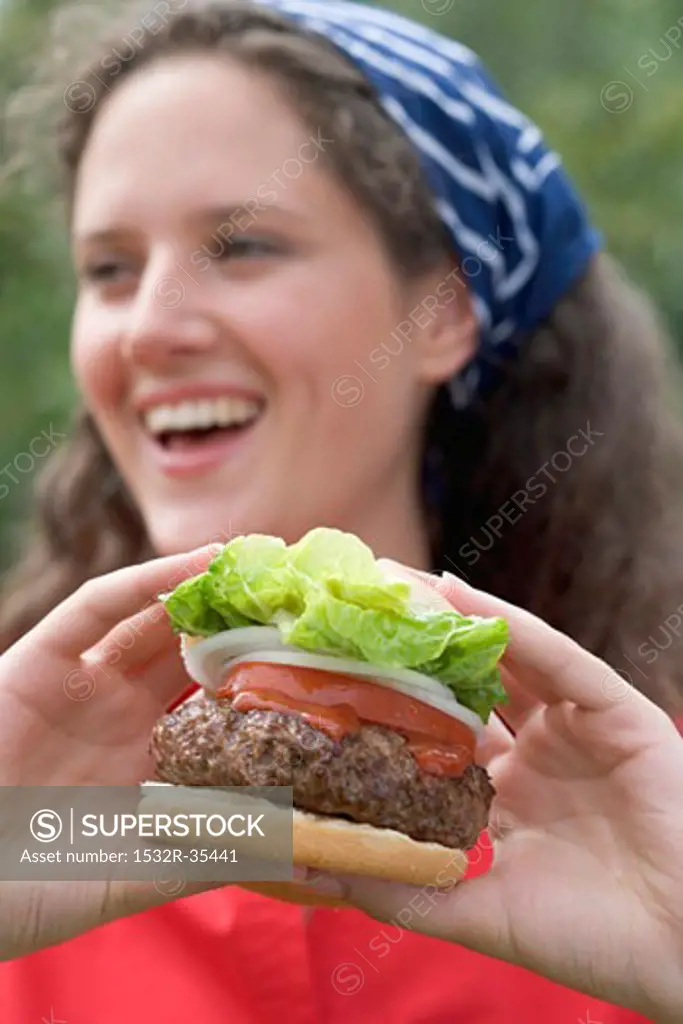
349,679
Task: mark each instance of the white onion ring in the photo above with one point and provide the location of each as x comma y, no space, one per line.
207,662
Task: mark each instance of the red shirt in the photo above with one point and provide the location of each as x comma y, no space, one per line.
231,957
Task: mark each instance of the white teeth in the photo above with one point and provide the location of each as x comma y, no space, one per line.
199,415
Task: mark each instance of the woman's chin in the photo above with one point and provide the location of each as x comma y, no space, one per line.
174,536
173,529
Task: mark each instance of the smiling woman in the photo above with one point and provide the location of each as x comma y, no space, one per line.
267,324
327,276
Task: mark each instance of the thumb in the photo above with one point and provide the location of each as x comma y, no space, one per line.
124,898
470,912
49,913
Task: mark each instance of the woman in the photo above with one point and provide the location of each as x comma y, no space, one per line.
464,383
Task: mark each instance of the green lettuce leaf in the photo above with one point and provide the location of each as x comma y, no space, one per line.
252,576
327,594
325,554
191,612
390,597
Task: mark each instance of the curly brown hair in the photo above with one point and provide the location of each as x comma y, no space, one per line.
561,491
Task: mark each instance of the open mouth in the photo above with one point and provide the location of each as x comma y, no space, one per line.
192,425
182,440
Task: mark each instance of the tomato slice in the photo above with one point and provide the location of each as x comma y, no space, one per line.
338,704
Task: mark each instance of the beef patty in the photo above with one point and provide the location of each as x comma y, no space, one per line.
368,776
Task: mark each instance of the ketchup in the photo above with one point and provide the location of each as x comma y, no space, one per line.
337,704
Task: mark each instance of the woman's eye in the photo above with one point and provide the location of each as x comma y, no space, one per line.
105,271
243,246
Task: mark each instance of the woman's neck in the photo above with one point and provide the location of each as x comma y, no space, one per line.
394,526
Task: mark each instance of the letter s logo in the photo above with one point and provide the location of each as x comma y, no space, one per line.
46,826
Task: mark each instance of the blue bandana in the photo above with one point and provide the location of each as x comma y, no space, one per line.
519,229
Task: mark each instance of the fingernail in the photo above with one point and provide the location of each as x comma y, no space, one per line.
400,569
458,581
326,885
199,555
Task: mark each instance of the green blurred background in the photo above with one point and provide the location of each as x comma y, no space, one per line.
603,78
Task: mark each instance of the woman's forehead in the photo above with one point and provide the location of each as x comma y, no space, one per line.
212,135
195,105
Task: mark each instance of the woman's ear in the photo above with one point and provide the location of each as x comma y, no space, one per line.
447,328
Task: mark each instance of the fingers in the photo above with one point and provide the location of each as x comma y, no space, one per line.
521,704
164,677
103,602
554,668
494,741
136,640
144,650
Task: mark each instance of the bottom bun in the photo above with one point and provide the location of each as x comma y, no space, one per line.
340,846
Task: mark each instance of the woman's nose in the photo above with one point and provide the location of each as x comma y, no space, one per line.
168,320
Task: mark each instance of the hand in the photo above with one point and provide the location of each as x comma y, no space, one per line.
79,696
587,878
